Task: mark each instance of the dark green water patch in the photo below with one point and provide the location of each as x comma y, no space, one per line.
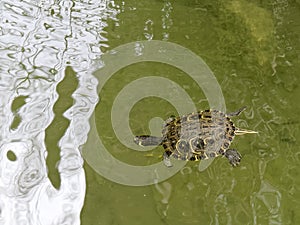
11,155
59,125
17,103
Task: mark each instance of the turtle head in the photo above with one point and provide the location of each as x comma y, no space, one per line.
147,140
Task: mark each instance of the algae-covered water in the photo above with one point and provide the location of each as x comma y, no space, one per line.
252,47
151,59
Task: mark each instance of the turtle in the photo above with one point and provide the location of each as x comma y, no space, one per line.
198,136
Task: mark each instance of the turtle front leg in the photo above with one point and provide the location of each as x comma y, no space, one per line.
233,156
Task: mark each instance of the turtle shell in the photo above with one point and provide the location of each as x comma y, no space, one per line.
197,136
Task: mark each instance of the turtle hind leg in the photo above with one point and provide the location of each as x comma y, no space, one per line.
238,112
233,156
147,140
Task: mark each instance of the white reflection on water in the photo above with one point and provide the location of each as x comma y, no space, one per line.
38,39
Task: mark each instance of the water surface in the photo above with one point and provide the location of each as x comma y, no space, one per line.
49,51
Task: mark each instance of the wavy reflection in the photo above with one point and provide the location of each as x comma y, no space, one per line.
38,40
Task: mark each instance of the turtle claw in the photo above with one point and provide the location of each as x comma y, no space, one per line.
169,120
167,160
233,156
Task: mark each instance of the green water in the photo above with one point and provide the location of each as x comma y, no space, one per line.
253,48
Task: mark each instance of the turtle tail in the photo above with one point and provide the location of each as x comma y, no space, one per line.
147,140
240,131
